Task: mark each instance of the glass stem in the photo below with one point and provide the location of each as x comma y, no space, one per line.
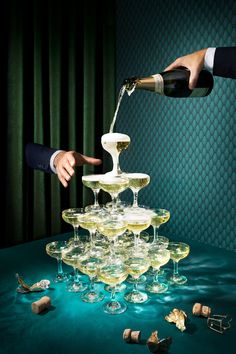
176,271
155,234
92,236
112,249
135,285
59,267
116,166
114,198
156,275
76,275
113,293
95,192
92,283
136,239
76,233
135,202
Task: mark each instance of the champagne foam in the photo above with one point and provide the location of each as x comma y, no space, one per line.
92,177
114,137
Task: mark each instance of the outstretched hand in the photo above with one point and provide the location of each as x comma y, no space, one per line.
66,161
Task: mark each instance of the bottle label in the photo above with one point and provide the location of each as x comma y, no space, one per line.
159,84
199,92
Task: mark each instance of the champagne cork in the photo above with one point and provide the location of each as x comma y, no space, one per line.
130,336
201,310
41,304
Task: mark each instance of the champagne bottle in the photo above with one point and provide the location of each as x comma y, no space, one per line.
172,83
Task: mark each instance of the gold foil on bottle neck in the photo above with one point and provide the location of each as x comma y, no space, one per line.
159,83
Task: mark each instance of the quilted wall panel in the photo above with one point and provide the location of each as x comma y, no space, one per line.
187,146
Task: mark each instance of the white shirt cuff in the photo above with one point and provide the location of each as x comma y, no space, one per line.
209,59
52,160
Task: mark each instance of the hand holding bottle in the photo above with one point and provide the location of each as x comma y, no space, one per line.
173,83
193,62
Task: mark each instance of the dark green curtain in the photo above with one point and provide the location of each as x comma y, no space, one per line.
58,89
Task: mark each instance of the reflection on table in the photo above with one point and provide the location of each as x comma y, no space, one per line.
72,325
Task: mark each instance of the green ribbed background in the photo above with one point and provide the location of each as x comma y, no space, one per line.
188,146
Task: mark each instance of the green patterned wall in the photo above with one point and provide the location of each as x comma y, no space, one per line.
187,146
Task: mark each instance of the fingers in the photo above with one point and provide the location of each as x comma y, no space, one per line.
65,168
92,161
192,79
63,175
83,159
171,66
66,161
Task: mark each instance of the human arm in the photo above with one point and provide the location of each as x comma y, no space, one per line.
46,159
221,61
225,62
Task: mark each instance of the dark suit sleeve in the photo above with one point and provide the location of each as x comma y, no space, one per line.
225,62
38,156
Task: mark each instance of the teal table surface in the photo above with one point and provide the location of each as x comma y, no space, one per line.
71,326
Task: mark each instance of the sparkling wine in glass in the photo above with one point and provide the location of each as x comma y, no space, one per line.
88,221
158,257
159,217
137,264
113,226
178,251
114,185
113,273
115,143
92,182
89,265
71,216
137,221
137,181
71,256
54,249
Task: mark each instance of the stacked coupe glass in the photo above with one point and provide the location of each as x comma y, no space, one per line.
117,251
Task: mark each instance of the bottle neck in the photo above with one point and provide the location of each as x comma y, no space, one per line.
152,83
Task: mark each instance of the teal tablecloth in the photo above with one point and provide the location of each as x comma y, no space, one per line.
72,326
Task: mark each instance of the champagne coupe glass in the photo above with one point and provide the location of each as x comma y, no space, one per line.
89,265
92,182
178,251
162,243
137,264
159,217
115,143
54,249
158,257
71,256
114,185
113,273
113,226
88,221
137,181
137,221
71,216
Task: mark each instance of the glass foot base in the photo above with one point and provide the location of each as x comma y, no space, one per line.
76,287
61,278
93,207
92,296
178,279
118,289
157,288
114,307
140,280
136,297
